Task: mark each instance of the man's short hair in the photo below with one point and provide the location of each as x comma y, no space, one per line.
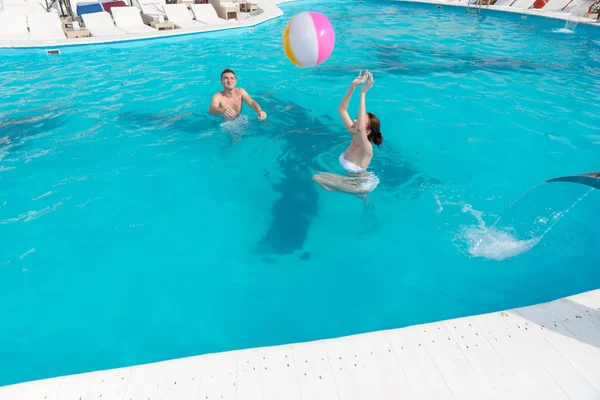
226,71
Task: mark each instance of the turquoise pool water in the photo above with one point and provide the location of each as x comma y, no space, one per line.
136,228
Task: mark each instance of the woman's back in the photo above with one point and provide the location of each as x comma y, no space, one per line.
359,152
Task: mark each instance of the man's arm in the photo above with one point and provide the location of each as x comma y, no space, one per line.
253,104
215,105
216,109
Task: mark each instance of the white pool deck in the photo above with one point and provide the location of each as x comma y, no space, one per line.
562,15
545,351
268,10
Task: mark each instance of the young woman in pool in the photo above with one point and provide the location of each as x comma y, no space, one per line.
355,160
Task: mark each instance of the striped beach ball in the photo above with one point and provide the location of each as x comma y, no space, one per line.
308,39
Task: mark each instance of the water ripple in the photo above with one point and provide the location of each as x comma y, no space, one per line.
35,214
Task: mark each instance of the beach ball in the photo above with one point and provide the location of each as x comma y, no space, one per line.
308,39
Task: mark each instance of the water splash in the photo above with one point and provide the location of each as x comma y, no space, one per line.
491,242
516,237
563,30
578,9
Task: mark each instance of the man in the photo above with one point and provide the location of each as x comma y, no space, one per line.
229,101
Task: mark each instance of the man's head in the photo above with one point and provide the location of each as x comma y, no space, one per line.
228,79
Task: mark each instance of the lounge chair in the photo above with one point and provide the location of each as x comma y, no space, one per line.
21,8
13,3
101,24
45,26
13,26
206,13
88,8
130,20
109,5
522,4
152,10
503,3
225,9
556,5
580,7
181,16
15,6
42,6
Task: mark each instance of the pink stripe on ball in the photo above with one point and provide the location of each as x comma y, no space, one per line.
325,35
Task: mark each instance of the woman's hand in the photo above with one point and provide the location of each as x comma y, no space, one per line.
360,79
368,84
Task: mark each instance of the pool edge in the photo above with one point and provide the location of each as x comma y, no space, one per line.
271,12
409,359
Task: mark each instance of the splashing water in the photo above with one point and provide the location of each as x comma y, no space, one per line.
499,243
563,30
491,242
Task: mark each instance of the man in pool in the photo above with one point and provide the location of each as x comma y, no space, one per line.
228,103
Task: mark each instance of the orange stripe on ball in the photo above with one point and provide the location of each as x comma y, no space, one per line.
286,46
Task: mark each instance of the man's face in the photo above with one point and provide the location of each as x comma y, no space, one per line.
228,80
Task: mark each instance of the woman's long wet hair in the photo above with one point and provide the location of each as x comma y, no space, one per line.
374,125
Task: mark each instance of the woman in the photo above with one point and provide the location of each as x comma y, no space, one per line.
355,160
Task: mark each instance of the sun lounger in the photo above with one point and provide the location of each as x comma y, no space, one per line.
42,6
18,5
181,16
14,3
206,13
225,9
13,26
88,8
130,20
503,3
45,26
556,5
109,5
101,24
579,7
513,4
152,10
16,8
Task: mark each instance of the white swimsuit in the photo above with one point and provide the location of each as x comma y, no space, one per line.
350,166
368,181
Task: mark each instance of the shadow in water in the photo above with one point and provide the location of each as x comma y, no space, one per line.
391,59
14,132
304,139
297,206
188,122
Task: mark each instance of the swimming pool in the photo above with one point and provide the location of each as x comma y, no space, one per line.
136,228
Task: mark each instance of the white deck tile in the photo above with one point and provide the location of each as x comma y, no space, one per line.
545,351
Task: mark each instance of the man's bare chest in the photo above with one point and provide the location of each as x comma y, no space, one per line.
234,102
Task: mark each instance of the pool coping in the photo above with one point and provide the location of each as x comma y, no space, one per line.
560,15
549,350
270,11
